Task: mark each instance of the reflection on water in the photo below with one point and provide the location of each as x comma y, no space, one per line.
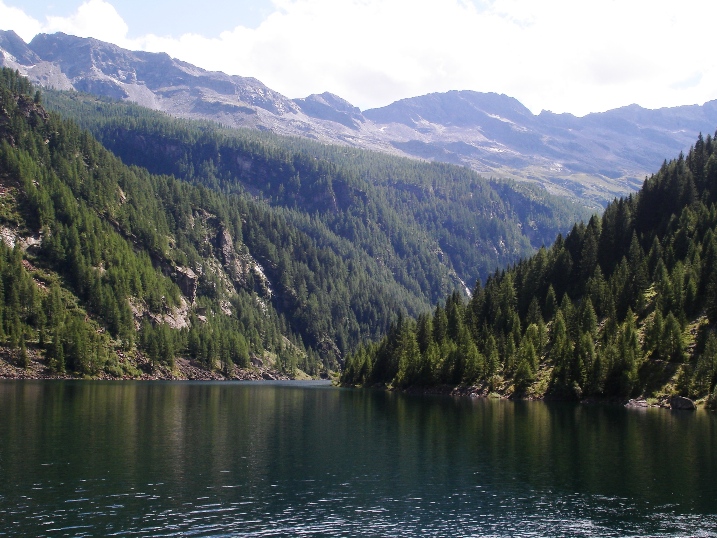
270,459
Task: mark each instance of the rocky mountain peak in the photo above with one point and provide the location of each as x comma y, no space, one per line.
330,107
594,158
12,44
459,108
150,79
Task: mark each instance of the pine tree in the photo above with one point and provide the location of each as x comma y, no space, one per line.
671,341
704,377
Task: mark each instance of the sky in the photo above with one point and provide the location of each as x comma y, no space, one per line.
576,56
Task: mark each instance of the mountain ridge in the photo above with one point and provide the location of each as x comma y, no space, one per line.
594,158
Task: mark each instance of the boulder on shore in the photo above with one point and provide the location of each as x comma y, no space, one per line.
680,402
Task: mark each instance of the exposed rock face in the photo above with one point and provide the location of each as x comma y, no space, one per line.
16,54
187,281
156,80
16,50
680,402
329,348
328,106
225,245
594,158
239,266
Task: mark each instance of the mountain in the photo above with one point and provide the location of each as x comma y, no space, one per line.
593,158
623,306
433,226
330,107
188,241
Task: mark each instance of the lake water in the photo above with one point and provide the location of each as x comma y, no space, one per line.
274,459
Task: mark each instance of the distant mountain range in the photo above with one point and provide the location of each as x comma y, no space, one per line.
594,158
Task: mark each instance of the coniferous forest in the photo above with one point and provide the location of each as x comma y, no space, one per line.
624,305
132,238
432,225
99,267
228,247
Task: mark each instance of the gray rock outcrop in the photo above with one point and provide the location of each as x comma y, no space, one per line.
187,281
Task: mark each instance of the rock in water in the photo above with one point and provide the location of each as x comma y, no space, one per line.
680,402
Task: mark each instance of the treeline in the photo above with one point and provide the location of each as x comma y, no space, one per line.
623,305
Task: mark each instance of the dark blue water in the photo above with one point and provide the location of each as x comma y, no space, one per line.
226,459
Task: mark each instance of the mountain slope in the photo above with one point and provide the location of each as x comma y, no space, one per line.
139,266
623,306
433,226
594,158
95,274
258,252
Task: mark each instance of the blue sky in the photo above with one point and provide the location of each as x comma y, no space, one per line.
576,56
165,18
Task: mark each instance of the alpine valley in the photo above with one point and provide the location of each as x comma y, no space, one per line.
212,252
159,220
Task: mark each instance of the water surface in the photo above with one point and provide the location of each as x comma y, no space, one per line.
275,459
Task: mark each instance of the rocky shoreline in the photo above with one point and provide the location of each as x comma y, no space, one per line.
188,370
663,402
184,369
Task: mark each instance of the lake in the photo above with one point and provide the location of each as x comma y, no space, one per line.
90,458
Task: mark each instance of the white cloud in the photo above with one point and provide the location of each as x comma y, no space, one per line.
12,18
560,55
94,18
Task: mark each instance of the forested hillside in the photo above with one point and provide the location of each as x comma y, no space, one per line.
260,251
621,306
432,225
104,258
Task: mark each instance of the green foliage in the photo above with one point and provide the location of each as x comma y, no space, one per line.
618,294
401,209
705,374
348,240
408,226
112,246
